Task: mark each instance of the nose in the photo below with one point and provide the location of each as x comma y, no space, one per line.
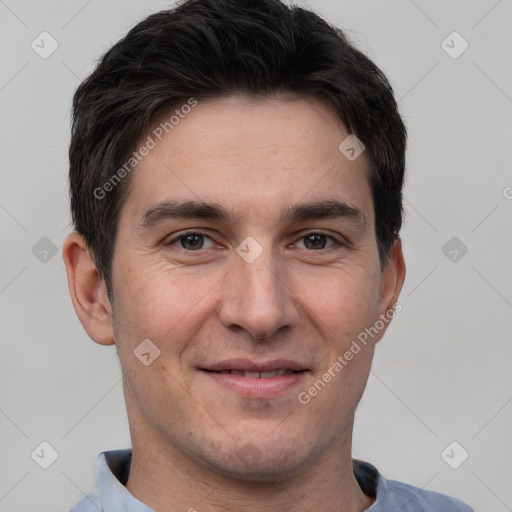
257,297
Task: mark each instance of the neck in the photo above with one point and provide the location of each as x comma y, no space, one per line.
168,480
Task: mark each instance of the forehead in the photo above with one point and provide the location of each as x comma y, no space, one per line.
256,157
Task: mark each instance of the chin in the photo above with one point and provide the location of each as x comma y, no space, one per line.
265,470
259,461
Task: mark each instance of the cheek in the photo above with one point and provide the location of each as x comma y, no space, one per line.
157,299
157,302
341,303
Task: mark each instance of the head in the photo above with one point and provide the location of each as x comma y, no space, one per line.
217,215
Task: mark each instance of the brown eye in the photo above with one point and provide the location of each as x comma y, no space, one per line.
192,241
317,241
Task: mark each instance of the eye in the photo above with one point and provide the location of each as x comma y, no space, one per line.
192,241
318,241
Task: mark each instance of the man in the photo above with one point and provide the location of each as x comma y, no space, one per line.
236,175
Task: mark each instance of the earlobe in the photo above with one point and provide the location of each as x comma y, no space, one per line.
392,280
87,290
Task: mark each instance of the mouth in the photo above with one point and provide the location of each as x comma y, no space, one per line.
258,375
257,380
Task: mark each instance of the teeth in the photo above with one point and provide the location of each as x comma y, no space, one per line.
276,373
259,375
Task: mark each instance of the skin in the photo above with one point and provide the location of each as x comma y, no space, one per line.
196,443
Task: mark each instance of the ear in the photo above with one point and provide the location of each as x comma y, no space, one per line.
392,280
88,292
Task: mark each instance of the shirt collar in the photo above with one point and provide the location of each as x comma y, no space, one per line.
113,468
373,484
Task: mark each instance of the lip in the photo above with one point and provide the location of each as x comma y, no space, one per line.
251,387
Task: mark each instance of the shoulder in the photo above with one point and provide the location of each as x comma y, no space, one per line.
414,499
89,503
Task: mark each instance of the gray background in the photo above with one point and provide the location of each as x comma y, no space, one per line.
442,372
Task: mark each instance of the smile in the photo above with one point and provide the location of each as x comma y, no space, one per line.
252,379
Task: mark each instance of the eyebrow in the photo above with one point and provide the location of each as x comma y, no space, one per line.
191,209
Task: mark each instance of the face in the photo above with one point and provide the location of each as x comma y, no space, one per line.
246,253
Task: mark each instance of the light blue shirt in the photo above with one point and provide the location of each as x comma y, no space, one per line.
112,496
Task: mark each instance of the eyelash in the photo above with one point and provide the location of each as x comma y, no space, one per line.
186,233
